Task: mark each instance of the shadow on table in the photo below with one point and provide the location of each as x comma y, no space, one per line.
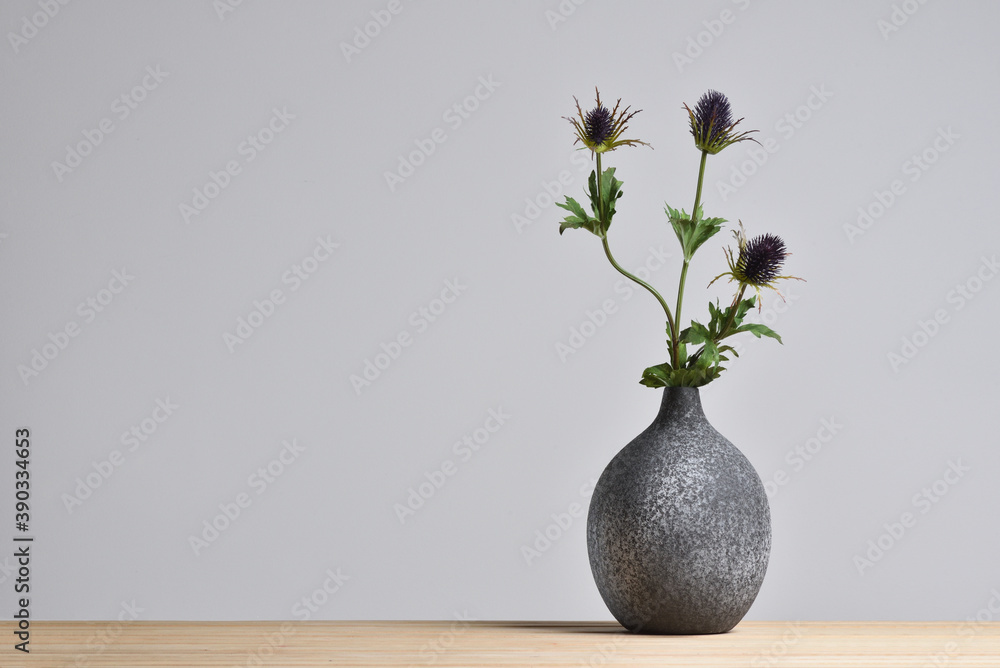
603,628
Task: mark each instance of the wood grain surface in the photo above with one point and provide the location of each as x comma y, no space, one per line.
140,644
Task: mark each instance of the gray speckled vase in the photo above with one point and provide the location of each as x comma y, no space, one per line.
679,530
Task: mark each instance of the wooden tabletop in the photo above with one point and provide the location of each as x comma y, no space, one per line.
138,644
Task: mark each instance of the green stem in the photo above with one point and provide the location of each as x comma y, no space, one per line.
607,251
652,290
701,179
675,339
724,332
675,351
732,312
600,200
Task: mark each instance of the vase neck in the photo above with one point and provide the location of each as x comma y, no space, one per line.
679,404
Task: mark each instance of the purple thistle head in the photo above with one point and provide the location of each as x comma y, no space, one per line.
598,124
757,262
713,115
712,124
600,129
760,260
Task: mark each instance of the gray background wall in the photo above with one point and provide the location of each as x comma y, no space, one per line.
849,439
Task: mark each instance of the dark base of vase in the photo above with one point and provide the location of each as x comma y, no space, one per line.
680,630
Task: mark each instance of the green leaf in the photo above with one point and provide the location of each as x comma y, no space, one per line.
573,207
720,317
656,376
611,190
709,354
743,308
595,204
579,219
662,375
603,206
692,233
717,317
759,330
696,333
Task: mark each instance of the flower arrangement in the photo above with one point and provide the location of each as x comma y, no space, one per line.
756,263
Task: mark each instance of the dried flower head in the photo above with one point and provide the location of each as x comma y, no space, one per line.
757,263
712,123
600,129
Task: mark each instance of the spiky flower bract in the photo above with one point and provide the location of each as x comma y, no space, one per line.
757,262
712,124
600,129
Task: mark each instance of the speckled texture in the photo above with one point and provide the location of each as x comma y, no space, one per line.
679,530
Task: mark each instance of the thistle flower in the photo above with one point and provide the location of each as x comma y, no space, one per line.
712,123
599,129
757,264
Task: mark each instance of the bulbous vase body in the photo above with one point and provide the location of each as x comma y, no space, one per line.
679,528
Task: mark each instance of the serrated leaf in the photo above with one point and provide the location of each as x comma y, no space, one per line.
692,232
573,207
656,376
720,317
603,205
696,377
696,333
595,204
709,354
662,375
743,308
578,219
759,330
716,317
